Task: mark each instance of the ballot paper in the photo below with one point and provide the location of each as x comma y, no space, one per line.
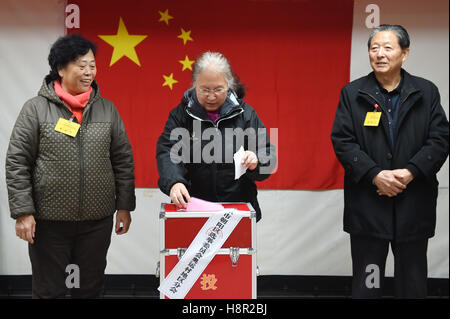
239,169
200,205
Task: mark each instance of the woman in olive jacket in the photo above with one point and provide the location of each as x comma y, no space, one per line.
66,181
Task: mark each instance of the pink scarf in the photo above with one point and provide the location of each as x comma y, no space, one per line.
76,103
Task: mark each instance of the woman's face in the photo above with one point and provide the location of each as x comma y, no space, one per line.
211,88
77,76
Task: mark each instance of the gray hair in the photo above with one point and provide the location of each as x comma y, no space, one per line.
217,62
398,30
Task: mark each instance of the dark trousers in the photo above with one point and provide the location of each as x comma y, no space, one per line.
80,245
369,260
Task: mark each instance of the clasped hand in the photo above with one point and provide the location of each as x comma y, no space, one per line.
392,182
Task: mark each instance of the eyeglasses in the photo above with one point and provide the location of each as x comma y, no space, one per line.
217,91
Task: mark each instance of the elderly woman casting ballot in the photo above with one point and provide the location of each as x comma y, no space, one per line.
213,108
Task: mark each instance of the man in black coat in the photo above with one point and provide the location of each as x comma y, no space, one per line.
391,135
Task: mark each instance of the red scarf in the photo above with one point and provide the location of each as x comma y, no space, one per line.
75,103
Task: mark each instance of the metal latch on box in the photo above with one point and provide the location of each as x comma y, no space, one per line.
234,255
180,252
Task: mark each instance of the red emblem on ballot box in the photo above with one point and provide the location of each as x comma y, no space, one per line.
234,261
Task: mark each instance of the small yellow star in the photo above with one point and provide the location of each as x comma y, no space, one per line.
187,64
124,44
169,80
165,16
185,35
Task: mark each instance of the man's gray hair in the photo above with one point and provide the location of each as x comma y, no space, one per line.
217,62
399,31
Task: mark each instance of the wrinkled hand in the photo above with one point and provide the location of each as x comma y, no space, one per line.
250,160
388,184
179,195
26,227
122,217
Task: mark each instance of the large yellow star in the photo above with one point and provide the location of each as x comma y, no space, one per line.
187,64
185,35
165,16
169,80
123,44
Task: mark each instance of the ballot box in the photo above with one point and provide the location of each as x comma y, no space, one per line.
231,270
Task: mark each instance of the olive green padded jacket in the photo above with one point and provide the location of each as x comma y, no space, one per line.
58,177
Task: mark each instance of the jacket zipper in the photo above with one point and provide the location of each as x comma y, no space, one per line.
234,114
81,158
378,102
85,113
216,125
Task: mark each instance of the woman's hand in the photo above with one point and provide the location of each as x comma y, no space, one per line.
26,227
250,160
122,217
179,195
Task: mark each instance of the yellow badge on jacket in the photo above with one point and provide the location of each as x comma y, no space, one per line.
67,127
372,119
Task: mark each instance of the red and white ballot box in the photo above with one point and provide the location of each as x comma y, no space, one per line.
208,254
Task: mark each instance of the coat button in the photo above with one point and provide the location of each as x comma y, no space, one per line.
429,157
389,156
355,159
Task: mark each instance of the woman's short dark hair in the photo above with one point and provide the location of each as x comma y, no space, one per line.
67,49
400,32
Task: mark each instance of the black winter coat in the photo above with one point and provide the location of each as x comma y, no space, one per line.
421,145
212,180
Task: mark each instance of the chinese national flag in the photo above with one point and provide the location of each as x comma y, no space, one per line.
293,56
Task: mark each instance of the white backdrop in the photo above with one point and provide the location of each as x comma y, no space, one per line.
301,231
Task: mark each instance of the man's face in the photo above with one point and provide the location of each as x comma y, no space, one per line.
386,55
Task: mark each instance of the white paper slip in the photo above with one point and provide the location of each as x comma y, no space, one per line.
239,169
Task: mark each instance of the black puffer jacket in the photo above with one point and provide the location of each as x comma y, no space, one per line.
57,177
205,163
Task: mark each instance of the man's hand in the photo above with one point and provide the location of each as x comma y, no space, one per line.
122,217
179,195
250,160
388,184
403,175
26,227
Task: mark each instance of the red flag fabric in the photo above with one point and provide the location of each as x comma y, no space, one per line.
293,56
